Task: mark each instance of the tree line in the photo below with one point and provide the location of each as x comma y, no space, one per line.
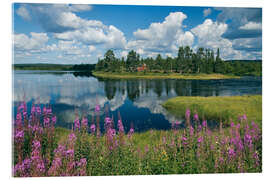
187,61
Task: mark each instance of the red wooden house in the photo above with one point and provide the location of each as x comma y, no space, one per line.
141,68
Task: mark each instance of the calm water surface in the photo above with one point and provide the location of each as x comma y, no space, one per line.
138,101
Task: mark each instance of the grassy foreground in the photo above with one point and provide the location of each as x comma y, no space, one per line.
218,108
142,75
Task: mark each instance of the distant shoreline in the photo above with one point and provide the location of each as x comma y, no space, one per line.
55,67
141,75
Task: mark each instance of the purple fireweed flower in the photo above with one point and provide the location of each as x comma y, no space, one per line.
56,164
60,150
36,145
254,125
24,106
97,108
240,146
84,122
196,117
248,140
77,123
38,110
45,110
191,130
131,131
18,169
26,163
256,158
200,139
221,160
18,121
83,161
204,123
21,107
46,121
72,137
36,157
93,128
54,119
19,135
70,153
199,128
233,141
232,124
110,137
111,132
33,109
108,122
49,111
184,140
231,153
120,126
82,167
23,168
24,114
243,117
187,114
70,166
40,166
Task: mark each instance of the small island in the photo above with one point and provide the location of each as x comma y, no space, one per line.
203,64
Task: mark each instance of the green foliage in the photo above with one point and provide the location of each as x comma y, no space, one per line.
55,67
186,62
83,67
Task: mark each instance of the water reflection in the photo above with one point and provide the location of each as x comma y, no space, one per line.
138,101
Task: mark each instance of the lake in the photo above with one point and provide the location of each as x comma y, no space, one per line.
137,100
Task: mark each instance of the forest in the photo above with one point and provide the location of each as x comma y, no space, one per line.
187,62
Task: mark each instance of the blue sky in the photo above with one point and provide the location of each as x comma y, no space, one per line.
71,34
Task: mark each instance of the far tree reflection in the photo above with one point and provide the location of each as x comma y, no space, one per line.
134,88
110,88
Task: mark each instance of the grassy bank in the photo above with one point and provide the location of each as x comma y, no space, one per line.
140,75
216,108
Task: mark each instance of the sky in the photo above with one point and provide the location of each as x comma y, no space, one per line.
75,34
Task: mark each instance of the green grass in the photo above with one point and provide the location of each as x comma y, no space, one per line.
147,75
218,108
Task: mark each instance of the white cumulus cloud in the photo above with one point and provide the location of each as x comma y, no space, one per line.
251,26
24,13
162,37
36,41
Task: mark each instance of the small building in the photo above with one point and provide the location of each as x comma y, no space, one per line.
141,68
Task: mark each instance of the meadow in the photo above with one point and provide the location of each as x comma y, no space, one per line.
41,149
218,108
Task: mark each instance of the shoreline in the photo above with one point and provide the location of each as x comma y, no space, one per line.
163,76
